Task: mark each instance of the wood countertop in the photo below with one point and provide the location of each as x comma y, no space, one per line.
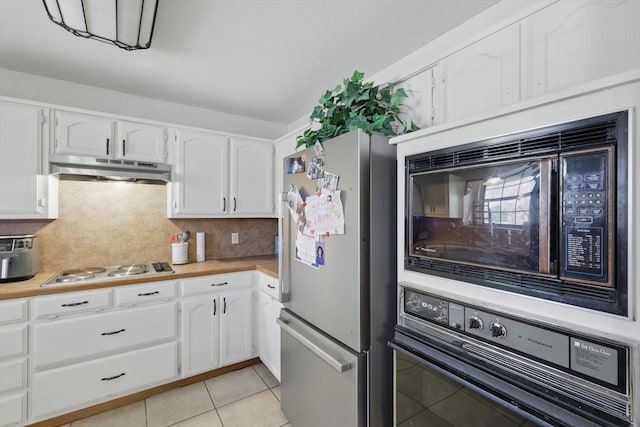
32,287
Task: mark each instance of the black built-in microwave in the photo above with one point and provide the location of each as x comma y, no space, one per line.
542,212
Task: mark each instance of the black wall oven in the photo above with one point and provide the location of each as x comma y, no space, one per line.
541,212
458,365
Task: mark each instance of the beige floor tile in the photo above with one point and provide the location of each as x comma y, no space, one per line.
235,385
266,375
208,419
132,415
262,409
276,391
178,404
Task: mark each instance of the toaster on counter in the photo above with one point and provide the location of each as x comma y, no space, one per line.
19,257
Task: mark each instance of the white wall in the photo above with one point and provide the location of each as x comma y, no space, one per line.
42,89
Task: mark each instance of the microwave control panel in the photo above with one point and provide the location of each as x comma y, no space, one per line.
586,244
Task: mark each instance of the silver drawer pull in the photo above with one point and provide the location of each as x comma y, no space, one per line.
339,365
220,284
74,304
148,294
270,286
113,377
113,333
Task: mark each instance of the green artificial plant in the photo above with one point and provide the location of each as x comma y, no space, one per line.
357,105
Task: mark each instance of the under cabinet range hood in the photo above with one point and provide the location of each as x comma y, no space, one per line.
79,168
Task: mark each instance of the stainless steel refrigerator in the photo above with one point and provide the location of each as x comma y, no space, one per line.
339,311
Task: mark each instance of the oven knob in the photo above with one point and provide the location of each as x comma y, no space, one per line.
475,323
498,331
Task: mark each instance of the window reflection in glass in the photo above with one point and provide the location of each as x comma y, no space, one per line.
507,199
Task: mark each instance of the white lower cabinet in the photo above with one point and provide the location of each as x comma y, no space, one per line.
13,409
268,332
216,324
64,352
200,334
13,362
73,386
236,338
82,357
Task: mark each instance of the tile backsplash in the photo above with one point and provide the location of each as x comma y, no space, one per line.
107,223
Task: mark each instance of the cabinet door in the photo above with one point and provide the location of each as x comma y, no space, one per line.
576,41
200,179
251,177
421,105
200,335
138,141
83,135
23,151
13,409
269,332
484,76
235,327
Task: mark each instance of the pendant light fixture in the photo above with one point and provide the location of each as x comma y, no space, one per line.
127,24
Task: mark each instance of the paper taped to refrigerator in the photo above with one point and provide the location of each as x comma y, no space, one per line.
324,214
305,250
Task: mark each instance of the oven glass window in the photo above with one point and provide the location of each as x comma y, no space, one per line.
425,397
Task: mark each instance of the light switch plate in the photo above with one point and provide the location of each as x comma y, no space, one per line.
235,239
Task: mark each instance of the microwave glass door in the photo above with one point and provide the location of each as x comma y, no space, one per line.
495,215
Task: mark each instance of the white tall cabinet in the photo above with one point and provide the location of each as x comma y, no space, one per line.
26,190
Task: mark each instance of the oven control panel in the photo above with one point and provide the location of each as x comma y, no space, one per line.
575,353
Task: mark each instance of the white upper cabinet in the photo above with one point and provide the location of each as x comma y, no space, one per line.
420,105
218,176
106,138
83,135
482,77
143,142
200,182
576,41
25,190
251,182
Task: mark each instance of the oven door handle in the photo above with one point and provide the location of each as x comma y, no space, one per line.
490,386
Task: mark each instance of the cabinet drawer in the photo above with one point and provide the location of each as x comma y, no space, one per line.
13,341
13,409
96,380
80,337
219,282
70,303
13,375
270,285
13,311
142,294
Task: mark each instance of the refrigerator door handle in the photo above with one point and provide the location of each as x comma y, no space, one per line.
338,365
284,231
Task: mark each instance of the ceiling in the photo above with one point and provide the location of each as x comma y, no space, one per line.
264,59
